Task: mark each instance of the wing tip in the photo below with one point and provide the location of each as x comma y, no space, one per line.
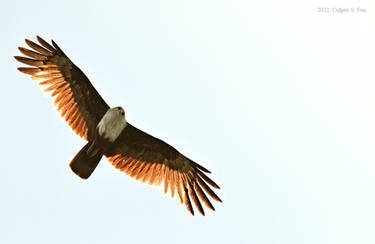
28,41
45,44
40,40
54,44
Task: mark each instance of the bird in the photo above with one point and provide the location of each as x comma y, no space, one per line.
107,132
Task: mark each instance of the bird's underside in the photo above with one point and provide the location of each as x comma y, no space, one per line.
138,154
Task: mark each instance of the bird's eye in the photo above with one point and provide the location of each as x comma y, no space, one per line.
122,113
118,108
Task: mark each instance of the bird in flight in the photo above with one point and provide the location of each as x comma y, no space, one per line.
107,132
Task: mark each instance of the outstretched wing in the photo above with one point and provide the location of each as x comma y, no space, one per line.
75,97
153,161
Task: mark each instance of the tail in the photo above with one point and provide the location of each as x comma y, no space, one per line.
82,164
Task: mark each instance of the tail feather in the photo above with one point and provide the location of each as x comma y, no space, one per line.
82,164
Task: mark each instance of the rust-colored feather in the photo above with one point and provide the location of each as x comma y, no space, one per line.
67,93
51,81
85,130
29,71
161,175
203,196
64,106
208,189
129,165
137,168
51,69
187,201
37,48
166,179
76,122
143,172
155,173
120,162
116,159
208,180
195,199
68,105
133,168
70,113
178,185
81,127
43,75
59,89
74,115
45,44
29,61
149,173
172,182
125,164
32,54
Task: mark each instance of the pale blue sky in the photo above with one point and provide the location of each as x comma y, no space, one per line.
275,98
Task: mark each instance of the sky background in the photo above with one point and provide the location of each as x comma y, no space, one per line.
276,98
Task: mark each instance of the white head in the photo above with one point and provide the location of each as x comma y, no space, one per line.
120,111
112,123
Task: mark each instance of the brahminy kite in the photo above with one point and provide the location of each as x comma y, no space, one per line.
138,154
